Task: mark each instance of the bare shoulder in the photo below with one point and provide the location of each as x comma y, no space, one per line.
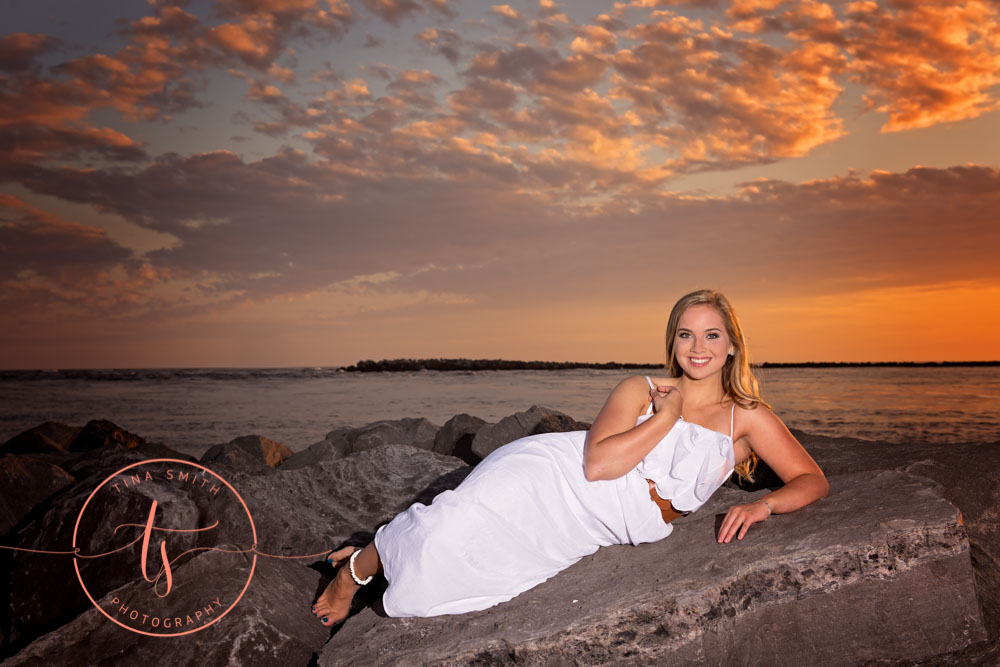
631,384
659,381
762,431
759,416
623,405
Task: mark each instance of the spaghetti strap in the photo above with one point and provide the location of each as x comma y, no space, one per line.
732,420
649,410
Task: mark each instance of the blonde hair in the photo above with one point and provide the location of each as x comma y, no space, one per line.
739,382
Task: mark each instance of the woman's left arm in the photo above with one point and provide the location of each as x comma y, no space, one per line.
804,482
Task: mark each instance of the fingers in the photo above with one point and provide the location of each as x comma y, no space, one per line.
658,395
729,525
738,520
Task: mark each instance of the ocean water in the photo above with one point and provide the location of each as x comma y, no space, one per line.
193,409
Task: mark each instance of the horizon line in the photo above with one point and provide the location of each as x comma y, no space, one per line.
413,364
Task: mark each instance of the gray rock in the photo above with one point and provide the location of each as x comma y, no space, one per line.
456,436
252,454
101,433
44,591
109,457
345,441
837,583
321,451
270,625
305,512
408,431
964,475
315,509
24,483
534,420
879,573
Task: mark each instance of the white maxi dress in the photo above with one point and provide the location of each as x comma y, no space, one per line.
527,512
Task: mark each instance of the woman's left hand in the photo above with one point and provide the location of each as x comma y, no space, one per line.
740,517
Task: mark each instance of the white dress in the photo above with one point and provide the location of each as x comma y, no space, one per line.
527,512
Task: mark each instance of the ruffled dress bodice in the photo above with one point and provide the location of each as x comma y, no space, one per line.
689,464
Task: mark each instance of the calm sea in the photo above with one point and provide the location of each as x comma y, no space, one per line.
193,409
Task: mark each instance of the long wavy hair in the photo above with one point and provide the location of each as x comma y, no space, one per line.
739,382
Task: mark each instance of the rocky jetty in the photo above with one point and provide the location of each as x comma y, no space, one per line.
469,365
900,565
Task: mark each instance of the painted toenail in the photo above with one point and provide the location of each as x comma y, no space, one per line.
324,619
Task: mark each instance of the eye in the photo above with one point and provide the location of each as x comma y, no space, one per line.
712,336
684,334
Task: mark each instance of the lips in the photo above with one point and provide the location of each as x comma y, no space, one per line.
700,361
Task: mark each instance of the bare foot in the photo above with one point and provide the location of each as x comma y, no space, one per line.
335,603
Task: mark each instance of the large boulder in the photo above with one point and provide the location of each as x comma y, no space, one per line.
533,421
101,433
456,436
345,441
44,591
963,473
299,515
104,458
270,625
840,582
252,454
313,510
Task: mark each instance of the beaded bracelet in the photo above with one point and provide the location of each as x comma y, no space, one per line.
768,506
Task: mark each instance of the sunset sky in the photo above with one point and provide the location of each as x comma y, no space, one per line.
314,182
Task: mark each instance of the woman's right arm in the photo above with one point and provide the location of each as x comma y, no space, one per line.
614,444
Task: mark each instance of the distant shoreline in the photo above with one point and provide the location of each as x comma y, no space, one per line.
410,365
414,365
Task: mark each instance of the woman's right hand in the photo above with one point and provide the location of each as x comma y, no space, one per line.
665,397
616,443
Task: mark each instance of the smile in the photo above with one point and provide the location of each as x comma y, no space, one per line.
700,361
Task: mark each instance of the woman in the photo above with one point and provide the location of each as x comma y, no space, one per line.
658,449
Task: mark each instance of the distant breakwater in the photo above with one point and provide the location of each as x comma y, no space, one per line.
414,365
409,365
395,365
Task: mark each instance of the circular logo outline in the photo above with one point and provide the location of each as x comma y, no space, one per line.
76,561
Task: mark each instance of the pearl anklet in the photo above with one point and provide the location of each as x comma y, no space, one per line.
354,575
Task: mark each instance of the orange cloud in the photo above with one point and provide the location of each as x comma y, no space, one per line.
921,63
928,62
18,50
706,97
593,39
509,15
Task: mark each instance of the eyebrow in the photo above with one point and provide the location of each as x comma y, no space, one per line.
709,329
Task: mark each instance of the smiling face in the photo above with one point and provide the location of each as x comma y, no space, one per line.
701,344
